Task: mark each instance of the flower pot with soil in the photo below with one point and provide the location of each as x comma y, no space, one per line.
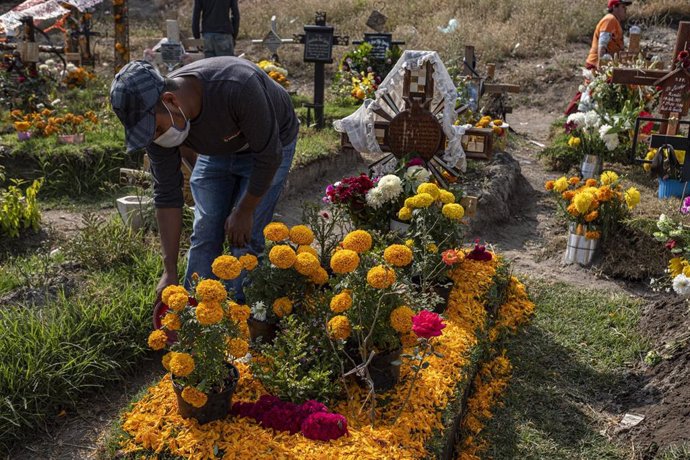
213,405
261,331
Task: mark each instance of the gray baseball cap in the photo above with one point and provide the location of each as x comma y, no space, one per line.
133,95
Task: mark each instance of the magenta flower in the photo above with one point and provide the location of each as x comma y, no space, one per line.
426,324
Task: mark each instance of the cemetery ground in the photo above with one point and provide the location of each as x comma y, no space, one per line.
602,344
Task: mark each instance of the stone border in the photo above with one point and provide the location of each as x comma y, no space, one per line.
303,177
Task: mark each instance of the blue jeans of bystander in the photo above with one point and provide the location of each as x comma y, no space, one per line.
216,44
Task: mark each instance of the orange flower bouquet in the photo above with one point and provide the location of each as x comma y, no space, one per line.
210,332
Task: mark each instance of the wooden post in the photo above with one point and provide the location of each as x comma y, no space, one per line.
683,39
470,61
490,71
121,19
29,47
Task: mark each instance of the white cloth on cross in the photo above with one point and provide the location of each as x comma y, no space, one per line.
40,10
360,125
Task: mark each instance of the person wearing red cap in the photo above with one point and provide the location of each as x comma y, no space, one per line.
608,35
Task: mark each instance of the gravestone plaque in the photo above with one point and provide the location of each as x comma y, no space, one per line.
380,44
171,53
318,44
675,95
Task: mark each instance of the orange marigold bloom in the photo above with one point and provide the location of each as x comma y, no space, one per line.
238,348
157,339
301,235
306,264
341,302
282,256
572,210
574,180
359,241
381,277
276,231
238,313
170,290
171,321
549,185
398,255
593,235
194,397
226,267
401,319
604,193
249,261
181,364
591,182
208,313
282,307
591,216
568,195
344,261
339,327
211,291
319,277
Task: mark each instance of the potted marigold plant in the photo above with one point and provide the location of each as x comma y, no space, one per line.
211,332
592,208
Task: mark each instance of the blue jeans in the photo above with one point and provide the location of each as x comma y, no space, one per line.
217,184
217,44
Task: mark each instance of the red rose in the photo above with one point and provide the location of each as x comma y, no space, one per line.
426,324
670,244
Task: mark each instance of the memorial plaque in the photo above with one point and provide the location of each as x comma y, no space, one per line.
380,43
675,95
171,53
415,130
318,44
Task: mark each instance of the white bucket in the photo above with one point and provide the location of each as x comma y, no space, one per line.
579,249
590,167
132,208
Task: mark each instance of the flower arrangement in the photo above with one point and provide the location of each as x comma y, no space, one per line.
77,77
676,239
593,207
211,331
45,122
276,72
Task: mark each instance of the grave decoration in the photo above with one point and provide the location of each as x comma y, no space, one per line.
676,240
272,41
593,208
318,40
68,127
413,115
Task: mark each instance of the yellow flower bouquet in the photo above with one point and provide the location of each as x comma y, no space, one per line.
210,332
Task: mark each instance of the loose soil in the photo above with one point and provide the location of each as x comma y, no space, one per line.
527,234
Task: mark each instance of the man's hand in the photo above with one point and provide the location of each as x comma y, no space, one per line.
166,280
238,227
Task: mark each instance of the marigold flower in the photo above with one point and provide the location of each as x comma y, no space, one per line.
301,235
568,195
339,327
432,248
608,177
157,339
249,261
181,364
401,319
381,277
409,243
561,184
431,189
276,231
405,213
178,301
591,182
572,210
632,197
308,249
453,211
549,185
211,291
409,203
341,302
604,193
226,267
238,313
398,255
238,348
306,264
574,142
344,261
282,307
319,277
574,180
171,321
194,397
170,290
423,200
209,312
593,235
446,197
583,201
592,216
676,266
166,360
282,256
409,340
359,241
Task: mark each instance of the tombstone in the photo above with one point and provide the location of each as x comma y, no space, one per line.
318,40
675,92
380,42
272,40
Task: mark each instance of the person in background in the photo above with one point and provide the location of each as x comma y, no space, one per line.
218,27
244,127
606,41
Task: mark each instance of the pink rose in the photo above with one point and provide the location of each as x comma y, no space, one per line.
426,324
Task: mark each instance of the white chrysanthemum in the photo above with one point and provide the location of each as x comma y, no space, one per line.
417,175
259,311
390,186
681,284
578,118
588,74
374,198
610,139
592,119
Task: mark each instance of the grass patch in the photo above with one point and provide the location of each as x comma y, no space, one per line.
313,144
569,359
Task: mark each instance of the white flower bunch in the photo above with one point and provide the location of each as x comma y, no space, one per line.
259,311
681,285
388,189
417,175
610,139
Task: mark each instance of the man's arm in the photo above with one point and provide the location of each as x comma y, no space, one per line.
234,7
196,17
169,228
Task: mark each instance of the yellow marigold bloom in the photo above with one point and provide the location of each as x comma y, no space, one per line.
208,313
282,256
409,340
604,193
401,319
178,301
306,264
431,189
238,348
308,249
583,201
409,243
282,307
276,231
157,339
171,322
632,197
211,291
405,213
381,277
339,327
181,364
608,177
226,267
319,277
446,197
249,262
686,271
574,142
574,180
593,235
591,216
398,255
453,211
591,183
166,360
301,235
194,397
344,261
432,248
359,241
423,200
549,185
572,210
238,313
568,195
650,156
561,184
676,266
410,203
341,302
170,290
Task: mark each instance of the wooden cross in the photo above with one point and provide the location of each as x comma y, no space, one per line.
272,40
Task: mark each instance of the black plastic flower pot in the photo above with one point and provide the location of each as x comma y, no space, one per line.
218,404
261,331
384,370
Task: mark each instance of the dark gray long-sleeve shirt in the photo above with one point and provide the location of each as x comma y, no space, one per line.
243,111
215,17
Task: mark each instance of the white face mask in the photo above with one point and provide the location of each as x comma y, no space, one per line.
173,136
